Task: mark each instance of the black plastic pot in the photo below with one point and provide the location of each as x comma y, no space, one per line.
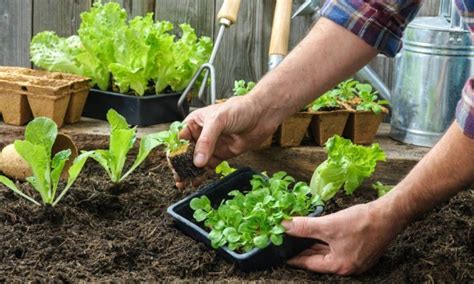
140,111
256,259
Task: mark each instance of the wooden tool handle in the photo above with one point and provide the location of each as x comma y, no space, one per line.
281,28
229,11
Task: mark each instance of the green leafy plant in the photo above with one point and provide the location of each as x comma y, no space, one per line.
141,55
253,219
242,88
224,169
369,99
381,188
170,138
327,102
347,90
122,140
347,166
40,135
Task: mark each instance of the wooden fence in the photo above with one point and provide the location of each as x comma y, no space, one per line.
244,50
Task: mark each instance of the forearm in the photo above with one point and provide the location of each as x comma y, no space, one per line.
328,55
447,169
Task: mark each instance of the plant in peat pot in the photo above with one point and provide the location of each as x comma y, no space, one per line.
179,152
252,219
40,135
366,115
329,115
122,140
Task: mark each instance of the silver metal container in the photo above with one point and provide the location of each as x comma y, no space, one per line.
431,70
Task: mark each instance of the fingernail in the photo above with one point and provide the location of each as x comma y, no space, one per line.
286,224
200,160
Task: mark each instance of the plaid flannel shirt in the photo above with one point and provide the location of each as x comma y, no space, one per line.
381,24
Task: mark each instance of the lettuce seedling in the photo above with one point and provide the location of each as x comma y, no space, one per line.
253,219
40,135
179,152
381,188
224,169
347,166
242,88
122,139
327,102
369,99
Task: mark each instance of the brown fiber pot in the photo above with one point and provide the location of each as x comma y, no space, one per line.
293,129
362,126
326,124
48,92
14,107
50,106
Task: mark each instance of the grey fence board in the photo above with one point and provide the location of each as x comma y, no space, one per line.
244,52
15,32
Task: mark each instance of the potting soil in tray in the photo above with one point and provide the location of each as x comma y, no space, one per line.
99,234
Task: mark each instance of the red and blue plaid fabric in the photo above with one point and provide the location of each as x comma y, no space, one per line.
381,24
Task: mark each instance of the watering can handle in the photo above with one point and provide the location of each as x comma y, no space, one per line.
228,13
281,28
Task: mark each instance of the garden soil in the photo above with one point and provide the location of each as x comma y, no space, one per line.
104,233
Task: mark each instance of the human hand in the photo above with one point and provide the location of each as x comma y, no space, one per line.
354,238
226,130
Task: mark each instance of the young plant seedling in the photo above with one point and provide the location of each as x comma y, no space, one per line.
122,139
347,166
369,99
328,102
253,219
224,169
40,135
242,88
179,152
381,188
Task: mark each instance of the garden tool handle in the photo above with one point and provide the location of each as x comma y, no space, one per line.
229,12
281,28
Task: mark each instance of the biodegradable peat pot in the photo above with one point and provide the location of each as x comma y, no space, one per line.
256,259
140,111
54,107
79,90
362,126
326,124
14,107
293,129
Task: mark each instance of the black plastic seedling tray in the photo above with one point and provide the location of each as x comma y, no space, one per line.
140,111
256,259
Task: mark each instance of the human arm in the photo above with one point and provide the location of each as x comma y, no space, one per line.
447,169
328,55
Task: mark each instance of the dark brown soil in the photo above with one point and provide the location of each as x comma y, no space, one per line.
99,235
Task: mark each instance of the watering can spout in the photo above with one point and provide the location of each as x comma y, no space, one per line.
369,75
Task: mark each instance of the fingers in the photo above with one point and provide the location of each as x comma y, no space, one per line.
206,143
315,262
307,227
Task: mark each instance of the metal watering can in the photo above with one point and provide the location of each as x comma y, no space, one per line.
430,72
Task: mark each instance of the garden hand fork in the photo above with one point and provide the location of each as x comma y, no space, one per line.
227,16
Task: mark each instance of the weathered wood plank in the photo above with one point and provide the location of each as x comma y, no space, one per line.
244,50
135,7
429,8
63,17
199,14
15,32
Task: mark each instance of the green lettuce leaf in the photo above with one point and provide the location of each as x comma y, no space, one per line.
57,166
347,166
8,183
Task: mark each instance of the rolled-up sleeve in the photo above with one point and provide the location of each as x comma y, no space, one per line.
465,109
378,23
